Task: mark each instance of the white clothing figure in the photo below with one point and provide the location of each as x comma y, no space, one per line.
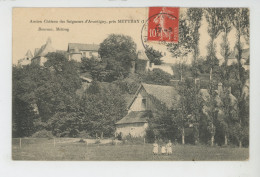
163,150
155,148
169,147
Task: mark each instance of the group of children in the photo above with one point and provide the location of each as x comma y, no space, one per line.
165,149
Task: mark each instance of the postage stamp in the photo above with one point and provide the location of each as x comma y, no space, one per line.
163,24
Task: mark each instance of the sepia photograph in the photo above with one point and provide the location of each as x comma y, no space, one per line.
130,84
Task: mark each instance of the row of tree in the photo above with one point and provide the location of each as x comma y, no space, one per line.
222,116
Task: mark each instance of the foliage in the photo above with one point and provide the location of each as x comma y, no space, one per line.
23,117
156,76
117,52
153,55
163,125
42,134
102,108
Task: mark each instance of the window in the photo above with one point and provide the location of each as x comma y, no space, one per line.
144,103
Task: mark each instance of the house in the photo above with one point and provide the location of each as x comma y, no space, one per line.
39,54
26,60
148,98
76,51
143,64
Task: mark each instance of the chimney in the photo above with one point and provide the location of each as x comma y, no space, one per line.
220,88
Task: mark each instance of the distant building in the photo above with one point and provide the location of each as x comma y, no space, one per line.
26,60
143,64
76,51
39,54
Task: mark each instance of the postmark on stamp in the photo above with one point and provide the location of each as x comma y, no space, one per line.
163,24
161,27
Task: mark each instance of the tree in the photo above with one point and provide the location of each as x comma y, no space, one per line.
153,55
214,18
118,52
224,74
241,24
44,91
23,118
194,17
103,105
181,50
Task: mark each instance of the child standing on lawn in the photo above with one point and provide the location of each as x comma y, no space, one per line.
155,148
169,147
163,150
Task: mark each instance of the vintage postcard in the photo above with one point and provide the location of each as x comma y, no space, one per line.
130,84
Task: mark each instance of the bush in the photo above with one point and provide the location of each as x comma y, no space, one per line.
150,136
81,140
83,134
43,134
133,140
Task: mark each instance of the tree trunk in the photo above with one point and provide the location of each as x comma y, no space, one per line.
183,136
226,139
210,74
212,135
240,144
212,140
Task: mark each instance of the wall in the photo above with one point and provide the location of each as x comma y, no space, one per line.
89,54
75,56
134,129
137,104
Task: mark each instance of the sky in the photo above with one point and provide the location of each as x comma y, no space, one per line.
26,34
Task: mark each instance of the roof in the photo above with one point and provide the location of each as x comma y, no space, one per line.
29,54
44,50
141,55
79,46
134,117
167,95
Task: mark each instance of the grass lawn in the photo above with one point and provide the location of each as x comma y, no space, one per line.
71,149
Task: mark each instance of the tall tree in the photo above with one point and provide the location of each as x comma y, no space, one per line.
195,17
181,50
241,24
214,17
224,73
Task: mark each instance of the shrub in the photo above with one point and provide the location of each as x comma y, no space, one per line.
81,140
83,134
150,136
43,134
133,140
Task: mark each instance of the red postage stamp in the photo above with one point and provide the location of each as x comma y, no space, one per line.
163,24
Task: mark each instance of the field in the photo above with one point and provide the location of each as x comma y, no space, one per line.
72,149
